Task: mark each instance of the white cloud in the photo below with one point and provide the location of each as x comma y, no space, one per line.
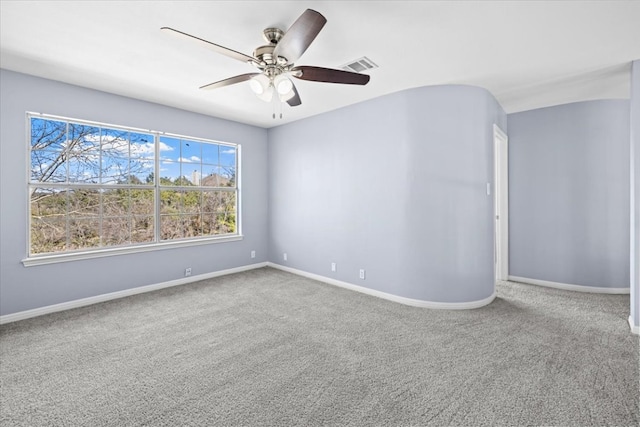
121,145
165,147
191,159
146,149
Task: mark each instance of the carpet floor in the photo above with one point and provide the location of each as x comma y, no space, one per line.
268,348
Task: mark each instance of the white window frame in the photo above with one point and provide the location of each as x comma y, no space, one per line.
158,243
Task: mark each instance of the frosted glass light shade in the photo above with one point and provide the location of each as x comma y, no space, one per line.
287,96
262,87
283,84
256,87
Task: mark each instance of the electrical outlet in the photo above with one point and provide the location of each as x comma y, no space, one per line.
333,266
284,256
253,254
362,273
187,272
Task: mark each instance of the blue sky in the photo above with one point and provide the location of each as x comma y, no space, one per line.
115,153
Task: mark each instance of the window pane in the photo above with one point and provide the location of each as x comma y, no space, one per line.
84,203
210,154
227,176
192,225
47,202
169,172
141,172
85,168
192,173
222,224
48,134
225,223
48,234
171,227
169,148
227,156
83,144
84,233
210,201
115,202
142,146
142,229
191,202
227,201
115,230
142,202
170,201
115,143
191,151
115,170
210,176
48,141
48,166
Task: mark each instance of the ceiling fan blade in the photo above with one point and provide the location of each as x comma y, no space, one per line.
294,101
300,35
229,81
329,75
215,47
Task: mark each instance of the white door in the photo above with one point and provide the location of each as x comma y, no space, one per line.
501,203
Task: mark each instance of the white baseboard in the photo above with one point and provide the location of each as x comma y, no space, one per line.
387,296
568,287
21,315
634,329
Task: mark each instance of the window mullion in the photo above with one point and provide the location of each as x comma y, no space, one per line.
67,222
101,193
156,180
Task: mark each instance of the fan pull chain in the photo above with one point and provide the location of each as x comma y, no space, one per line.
273,105
274,108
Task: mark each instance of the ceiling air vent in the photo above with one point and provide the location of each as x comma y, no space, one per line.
359,65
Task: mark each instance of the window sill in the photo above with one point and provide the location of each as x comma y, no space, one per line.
101,253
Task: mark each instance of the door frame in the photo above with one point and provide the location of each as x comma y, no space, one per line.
501,203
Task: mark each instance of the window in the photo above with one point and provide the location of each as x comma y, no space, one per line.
94,187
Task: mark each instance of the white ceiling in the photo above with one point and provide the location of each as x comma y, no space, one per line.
527,54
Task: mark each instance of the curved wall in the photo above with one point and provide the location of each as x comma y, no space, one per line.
395,186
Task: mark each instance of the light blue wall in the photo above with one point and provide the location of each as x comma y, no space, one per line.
394,185
569,194
635,193
27,288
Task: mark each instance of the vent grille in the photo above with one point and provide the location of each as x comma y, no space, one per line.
359,65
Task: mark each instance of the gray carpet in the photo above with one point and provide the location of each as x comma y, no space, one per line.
266,347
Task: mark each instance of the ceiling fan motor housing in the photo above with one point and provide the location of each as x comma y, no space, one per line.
272,35
267,60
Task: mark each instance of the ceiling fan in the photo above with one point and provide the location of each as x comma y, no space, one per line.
276,61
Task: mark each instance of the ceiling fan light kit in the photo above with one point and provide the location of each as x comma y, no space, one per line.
276,61
283,85
256,86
